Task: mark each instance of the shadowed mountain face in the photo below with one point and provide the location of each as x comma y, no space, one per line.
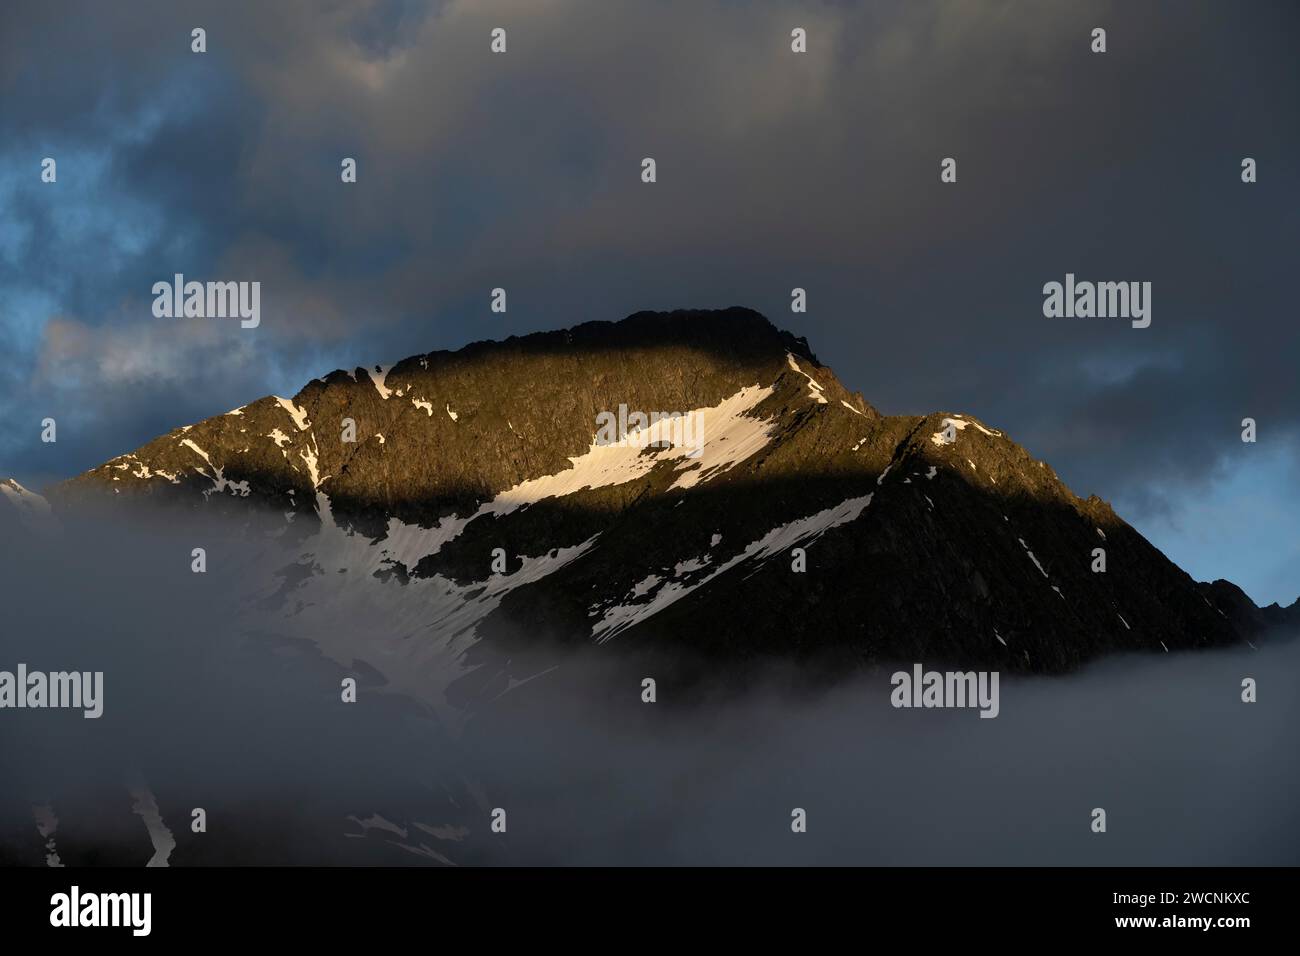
487,509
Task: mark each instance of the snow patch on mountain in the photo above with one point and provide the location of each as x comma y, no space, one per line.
298,415
220,484
614,620
47,824
164,842
730,435
378,374
1032,557
690,565
959,423
814,389
414,634
987,431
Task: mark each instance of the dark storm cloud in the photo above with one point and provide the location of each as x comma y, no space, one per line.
775,170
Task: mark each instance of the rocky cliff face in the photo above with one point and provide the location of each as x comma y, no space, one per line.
482,511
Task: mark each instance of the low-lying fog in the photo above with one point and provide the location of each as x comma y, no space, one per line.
201,711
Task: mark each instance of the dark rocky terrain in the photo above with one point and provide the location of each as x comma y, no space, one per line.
926,538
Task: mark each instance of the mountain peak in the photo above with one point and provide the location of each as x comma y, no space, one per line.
674,473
